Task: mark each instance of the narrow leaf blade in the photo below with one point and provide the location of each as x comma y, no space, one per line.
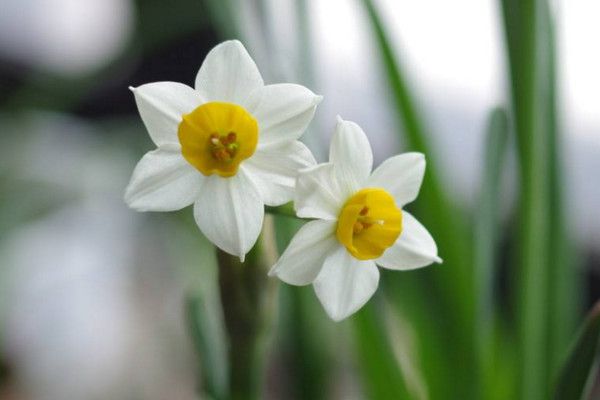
580,367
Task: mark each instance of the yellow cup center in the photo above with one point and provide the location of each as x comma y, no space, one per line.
216,137
369,223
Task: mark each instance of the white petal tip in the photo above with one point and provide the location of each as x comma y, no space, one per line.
318,99
438,260
233,41
230,43
131,88
337,318
127,198
339,119
136,207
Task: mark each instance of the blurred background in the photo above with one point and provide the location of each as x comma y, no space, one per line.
92,293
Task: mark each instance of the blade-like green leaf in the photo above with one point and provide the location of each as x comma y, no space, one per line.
304,326
379,368
440,366
438,214
524,44
212,356
486,242
565,280
195,257
581,366
451,284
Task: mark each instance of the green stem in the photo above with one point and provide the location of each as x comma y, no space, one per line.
247,296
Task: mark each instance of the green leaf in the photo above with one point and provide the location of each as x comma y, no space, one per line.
486,242
564,277
379,368
195,257
525,38
207,338
581,366
305,330
438,214
451,284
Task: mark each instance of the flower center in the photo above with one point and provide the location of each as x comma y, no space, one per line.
369,223
216,137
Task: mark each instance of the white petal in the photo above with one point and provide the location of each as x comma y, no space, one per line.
351,154
318,194
283,112
345,283
401,175
163,181
301,262
229,74
161,105
274,170
230,212
414,248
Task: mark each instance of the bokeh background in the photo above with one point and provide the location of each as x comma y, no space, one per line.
92,294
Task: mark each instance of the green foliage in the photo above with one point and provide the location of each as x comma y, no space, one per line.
580,369
380,370
486,242
461,343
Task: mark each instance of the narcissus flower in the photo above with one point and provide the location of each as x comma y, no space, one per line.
229,146
359,223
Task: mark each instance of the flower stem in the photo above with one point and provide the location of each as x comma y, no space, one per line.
248,300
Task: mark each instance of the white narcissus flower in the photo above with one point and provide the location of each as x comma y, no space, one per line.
229,146
359,223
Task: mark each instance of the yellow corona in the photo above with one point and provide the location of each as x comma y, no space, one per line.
216,137
369,223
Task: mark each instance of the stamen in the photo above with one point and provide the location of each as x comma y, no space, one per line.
358,227
224,147
231,137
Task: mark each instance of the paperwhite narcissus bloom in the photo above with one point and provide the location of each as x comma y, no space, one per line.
360,223
229,146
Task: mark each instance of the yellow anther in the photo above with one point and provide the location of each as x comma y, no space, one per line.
358,227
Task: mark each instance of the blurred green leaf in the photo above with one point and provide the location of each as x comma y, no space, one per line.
286,210
379,368
196,259
581,366
565,279
486,242
527,67
451,284
304,328
440,217
413,302
204,333
225,17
